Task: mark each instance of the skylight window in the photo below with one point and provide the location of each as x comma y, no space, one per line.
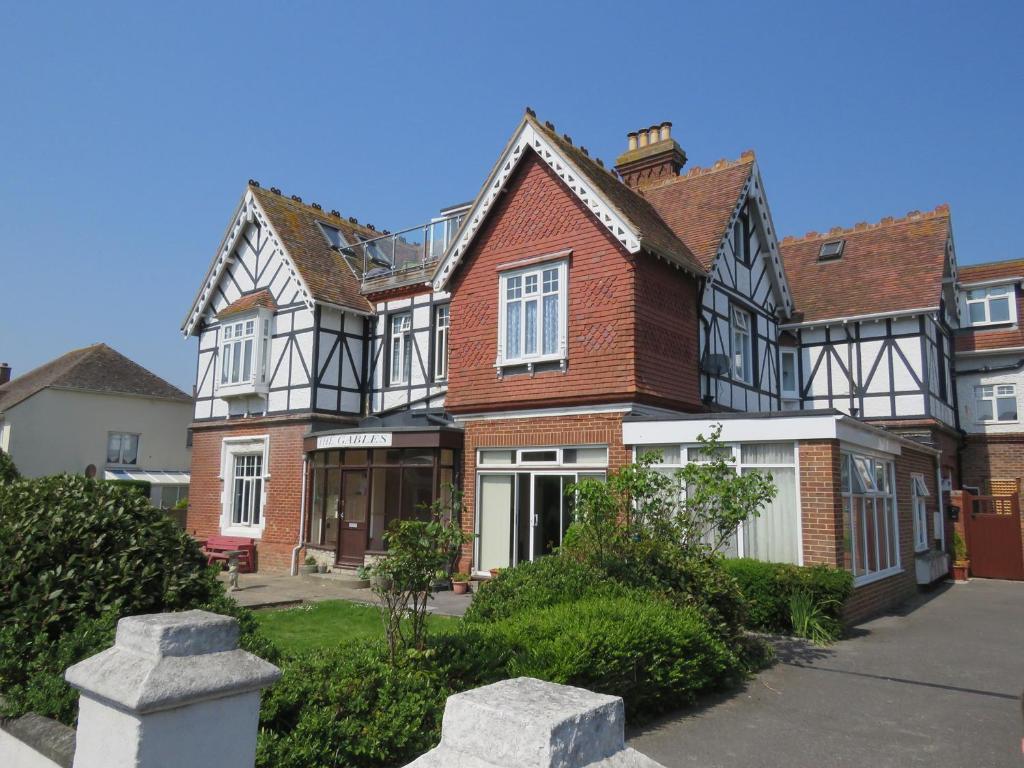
833,249
333,235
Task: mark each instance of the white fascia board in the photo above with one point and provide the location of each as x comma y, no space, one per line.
993,352
528,137
858,318
753,430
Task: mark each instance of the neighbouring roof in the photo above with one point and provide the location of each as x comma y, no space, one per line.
96,368
893,266
653,230
263,299
991,270
1007,336
698,204
331,277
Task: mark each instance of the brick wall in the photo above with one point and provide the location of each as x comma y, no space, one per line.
585,429
283,490
539,216
821,505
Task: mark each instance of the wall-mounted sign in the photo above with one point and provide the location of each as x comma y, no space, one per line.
355,440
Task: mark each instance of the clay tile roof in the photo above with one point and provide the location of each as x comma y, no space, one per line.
892,266
992,270
264,299
698,204
96,368
330,276
1000,336
654,232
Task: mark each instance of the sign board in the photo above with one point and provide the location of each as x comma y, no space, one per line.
355,440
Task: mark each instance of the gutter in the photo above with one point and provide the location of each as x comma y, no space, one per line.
858,318
302,519
992,368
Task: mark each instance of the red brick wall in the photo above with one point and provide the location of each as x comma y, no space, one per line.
593,429
284,489
820,504
538,216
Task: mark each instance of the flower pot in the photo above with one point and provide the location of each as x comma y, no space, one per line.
495,571
460,587
961,570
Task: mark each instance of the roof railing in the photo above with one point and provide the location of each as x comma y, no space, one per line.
406,250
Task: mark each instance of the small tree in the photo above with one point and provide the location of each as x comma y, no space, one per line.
418,554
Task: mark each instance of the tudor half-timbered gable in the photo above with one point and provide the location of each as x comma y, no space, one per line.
722,213
877,315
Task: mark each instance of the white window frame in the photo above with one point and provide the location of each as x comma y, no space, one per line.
441,312
990,395
919,494
230,344
742,362
889,520
231,448
400,338
789,394
120,453
990,294
537,273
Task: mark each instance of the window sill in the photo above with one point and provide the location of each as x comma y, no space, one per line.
532,366
863,581
227,391
244,531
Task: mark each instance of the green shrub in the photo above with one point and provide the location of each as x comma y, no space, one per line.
654,655
8,472
142,487
769,587
540,583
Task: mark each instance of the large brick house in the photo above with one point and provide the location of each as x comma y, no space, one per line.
566,319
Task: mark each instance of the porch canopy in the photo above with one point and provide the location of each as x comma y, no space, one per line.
153,477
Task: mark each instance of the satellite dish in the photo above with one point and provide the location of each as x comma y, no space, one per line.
90,471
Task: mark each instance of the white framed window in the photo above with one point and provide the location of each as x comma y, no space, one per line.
532,315
441,323
742,346
872,522
244,354
401,348
996,402
788,374
170,495
919,497
245,475
123,448
990,306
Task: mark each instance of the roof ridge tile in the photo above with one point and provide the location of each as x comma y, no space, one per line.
938,212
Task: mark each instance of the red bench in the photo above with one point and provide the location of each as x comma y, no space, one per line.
216,548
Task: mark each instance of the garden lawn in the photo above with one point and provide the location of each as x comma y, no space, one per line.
327,623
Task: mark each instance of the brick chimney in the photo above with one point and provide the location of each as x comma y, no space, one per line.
652,155
5,373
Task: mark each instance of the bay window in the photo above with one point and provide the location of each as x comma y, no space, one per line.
996,402
533,314
742,346
872,525
244,354
401,348
990,306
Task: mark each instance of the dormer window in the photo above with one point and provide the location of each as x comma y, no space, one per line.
990,306
244,354
831,250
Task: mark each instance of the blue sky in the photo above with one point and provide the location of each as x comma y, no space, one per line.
128,131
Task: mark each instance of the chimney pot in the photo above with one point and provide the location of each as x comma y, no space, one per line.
654,132
5,373
642,137
666,131
631,137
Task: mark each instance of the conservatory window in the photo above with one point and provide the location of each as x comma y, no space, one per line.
872,527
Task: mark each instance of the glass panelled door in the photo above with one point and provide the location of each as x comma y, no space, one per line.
551,512
352,517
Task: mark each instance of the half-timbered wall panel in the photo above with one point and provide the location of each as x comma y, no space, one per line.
420,389
340,364
740,279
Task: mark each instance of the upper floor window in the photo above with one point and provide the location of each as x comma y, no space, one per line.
996,402
988,306
533,314
122,448
742,346
245,351
401,348
788,373
441,343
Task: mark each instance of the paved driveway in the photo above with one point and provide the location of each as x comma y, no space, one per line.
937,686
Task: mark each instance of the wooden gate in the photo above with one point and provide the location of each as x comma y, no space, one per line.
993,536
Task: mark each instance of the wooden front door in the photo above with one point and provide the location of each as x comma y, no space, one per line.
352,517
992,525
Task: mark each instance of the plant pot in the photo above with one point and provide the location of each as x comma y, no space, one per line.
495,571
307,568
460,587
961,570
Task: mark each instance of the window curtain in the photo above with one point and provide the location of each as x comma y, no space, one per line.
497,496
772,535
550,324
512,330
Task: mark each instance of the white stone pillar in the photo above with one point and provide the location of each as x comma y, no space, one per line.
174,690
528,723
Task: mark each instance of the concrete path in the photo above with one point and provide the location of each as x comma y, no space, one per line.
257,590
937,686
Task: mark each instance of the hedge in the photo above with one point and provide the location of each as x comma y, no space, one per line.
768,587
8,472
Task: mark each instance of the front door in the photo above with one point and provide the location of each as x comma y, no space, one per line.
352,517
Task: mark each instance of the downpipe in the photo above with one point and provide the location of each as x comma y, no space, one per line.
302,519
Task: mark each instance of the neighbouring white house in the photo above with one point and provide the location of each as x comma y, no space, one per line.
93,411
